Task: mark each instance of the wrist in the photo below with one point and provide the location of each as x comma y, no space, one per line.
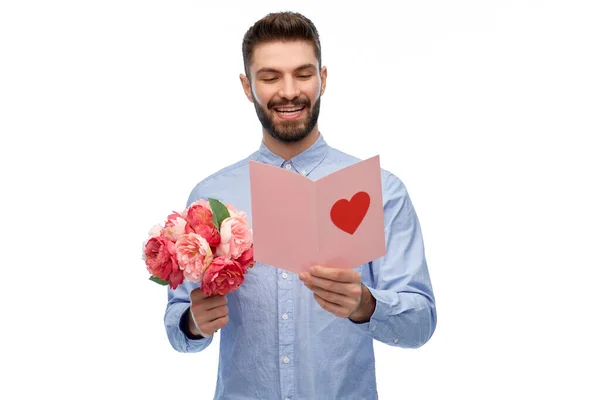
189,326
366,307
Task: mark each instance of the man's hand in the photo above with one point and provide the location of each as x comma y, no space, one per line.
340,292
207,314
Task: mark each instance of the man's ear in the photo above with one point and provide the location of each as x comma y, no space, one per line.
323,79
247,87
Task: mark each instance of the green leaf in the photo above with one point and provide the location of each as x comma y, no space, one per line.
159,281
220,212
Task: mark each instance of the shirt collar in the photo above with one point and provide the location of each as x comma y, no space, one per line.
303,163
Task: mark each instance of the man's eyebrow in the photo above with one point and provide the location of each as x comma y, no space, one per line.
305,66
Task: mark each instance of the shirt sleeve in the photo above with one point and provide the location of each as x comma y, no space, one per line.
405,314
177,305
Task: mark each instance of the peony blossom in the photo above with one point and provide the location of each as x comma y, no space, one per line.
202,202
199,220
194,256
246,260
155,231
236,237
174,227
223,276
233,212
161,260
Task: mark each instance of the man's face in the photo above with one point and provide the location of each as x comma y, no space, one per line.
286,88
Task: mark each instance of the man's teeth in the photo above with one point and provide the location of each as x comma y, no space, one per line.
289,110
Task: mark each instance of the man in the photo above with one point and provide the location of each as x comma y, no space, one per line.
307,336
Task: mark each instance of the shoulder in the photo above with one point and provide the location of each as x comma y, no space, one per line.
221,178
394,190
390,181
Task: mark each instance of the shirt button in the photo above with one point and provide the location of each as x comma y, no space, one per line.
286,360
374,327
284,275
303,172
396,340
284,316
288,166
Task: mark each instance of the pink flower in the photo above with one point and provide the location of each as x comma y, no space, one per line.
199,219
236,237
155,231
202,202
174,227
246,260
233,212
223,276
161,260
194,255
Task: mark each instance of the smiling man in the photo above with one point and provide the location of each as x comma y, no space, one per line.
307,336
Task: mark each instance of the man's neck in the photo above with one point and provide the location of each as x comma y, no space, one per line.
287,150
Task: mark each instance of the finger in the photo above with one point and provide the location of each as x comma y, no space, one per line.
209,302
197,294
213,302
348,302
204,316
335,309
211,327
331,286
335,274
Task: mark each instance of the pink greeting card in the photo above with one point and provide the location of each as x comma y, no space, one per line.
335,221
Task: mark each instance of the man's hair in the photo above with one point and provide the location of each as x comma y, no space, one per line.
279,27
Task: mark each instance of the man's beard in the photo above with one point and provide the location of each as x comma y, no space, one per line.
289,130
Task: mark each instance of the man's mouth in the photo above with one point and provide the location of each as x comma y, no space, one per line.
289,112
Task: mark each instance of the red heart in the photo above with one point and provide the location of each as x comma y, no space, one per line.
348,215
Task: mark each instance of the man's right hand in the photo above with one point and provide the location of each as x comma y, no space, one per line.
207,314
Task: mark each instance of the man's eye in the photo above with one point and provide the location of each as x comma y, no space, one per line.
304,76
269,79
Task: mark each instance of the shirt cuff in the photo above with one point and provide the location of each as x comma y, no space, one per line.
179,336
376,326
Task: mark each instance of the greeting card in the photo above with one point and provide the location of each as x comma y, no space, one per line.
335,221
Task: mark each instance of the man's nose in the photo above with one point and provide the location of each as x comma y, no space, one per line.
289,88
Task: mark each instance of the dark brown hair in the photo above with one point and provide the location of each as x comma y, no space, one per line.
279,27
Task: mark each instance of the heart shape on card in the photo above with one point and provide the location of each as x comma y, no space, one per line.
349,214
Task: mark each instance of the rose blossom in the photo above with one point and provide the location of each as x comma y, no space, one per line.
223,276
174,227
236,237
161,260
199,220
194,255
246,260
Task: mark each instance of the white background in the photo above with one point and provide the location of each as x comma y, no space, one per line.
111,111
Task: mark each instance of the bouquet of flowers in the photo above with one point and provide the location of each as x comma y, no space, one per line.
208,243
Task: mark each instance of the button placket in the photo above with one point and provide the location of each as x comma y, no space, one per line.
285,300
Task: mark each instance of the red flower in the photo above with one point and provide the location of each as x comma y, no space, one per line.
222,276
199,221
161,260
246,260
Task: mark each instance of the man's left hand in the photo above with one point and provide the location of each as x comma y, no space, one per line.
340,291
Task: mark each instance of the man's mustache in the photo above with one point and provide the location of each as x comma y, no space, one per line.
294,102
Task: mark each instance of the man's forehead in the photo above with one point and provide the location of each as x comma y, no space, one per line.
283,56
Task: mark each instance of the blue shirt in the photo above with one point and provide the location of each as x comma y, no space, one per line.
279,343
